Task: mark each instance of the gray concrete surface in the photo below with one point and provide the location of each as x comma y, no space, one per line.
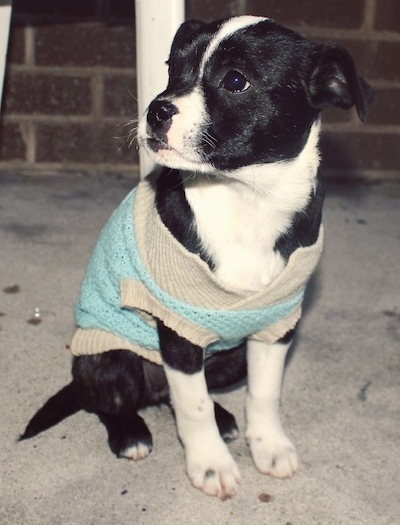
341,397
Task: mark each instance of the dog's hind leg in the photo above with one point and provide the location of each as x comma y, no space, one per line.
225,369
112,385
226,423
128,436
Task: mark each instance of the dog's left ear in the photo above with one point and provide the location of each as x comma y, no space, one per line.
335,82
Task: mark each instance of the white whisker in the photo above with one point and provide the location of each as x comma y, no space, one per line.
209,139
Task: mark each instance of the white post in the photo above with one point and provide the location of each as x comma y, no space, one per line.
156,25
5,17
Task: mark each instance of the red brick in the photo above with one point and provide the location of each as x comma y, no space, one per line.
120,97
123,10
209,10
360,151
386,61
341,13
388,15
386,107
12,145
51,9
66,143
332,115
38,93
16,45
83,143
118,146
85,45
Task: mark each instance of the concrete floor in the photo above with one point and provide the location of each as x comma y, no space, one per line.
341,398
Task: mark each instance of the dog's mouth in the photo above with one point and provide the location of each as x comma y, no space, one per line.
166,155
161,148
156,144
163,152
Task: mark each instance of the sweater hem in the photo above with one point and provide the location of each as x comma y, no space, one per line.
93,341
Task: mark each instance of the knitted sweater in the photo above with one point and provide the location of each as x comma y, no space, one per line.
139,272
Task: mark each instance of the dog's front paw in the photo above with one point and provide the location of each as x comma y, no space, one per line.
273,453
213,471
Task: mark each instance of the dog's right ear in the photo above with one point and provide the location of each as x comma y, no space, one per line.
335,82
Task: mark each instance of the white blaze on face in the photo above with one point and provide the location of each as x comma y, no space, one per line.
226,30
183,135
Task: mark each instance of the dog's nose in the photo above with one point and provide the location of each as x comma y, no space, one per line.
160,113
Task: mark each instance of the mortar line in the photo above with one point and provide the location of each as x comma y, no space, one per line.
29,51
370,8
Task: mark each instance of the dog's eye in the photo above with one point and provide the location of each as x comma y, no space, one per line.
235,82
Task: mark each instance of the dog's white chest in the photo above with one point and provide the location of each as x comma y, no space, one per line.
238,229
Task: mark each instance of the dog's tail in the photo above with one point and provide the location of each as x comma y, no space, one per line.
58,407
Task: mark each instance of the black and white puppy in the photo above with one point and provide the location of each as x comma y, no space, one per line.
236,131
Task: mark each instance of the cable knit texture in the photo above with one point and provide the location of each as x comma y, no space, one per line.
139,272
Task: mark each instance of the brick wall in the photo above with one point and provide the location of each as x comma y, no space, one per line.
70,82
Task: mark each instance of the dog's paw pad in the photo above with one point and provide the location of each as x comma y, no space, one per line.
276,458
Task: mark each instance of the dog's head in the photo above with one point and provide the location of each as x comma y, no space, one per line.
245,91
